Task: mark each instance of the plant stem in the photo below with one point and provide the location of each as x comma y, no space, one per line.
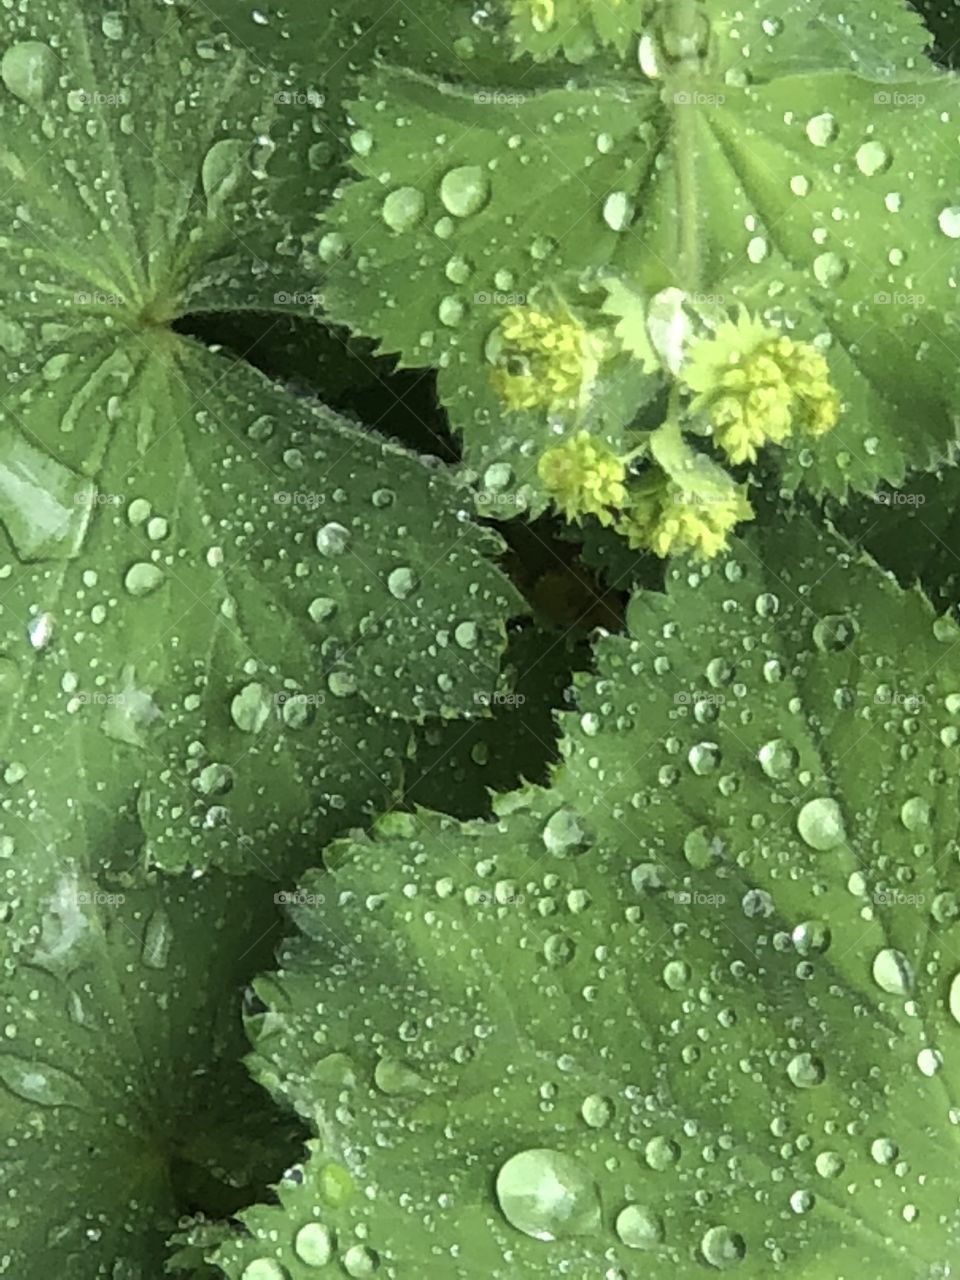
683,17
685,167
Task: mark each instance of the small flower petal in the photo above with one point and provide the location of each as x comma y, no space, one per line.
584,477
756,386
546,359
669,520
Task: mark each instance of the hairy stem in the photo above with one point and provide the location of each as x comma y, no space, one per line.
685,168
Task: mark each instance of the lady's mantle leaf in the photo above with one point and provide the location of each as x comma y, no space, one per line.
122,1094
812,196
205,582
692,1009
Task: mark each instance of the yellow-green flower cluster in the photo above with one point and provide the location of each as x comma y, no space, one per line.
756,386
542,14
817,402
584,477
544,359
671,520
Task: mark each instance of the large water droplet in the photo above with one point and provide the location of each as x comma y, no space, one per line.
321,609
945,907
811,937
829,1164
618,211
29,70
131,712
704,757
360,1262
559,949
251,707
915,813
892,972
829,268
466,635
669,326
111,24
40,1083
264,1269
157,939
397,1079
342,684
142,578
223,170
778,758
597,1110
884,1150
953,998
215,779
949,221
820,824
465,190
333,539
40,630
661,1153
548,1195
872,157
403,208
331,246
639,1227
930,1061
822,129
758,249
401,582
458,270
723,1248
806,1071
314,1244
450,311
563,833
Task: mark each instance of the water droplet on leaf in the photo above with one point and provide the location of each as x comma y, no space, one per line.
639,1227
29,70
820,824
314,1244
465,190
548,1195
403,208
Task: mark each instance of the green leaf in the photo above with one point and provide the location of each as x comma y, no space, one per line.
577,28
631,311
324,42
123,1100
220,604
880,42
873,285
146,175
790,165
694,1006
523,190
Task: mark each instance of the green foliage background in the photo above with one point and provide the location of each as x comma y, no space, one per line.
398,879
